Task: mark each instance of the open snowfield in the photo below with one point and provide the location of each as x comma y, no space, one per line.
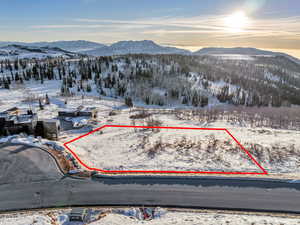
128,148
162,149
26,95
131,217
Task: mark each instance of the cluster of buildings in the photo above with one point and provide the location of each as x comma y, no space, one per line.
16,121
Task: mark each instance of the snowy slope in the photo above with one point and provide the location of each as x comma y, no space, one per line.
134,149
135,47
21,51
73,46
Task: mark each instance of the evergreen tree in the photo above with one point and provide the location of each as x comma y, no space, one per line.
128,102
40,104
6,84
88,88
47,100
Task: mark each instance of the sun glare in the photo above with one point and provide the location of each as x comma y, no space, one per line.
236,22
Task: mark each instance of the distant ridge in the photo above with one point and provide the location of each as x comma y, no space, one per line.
237,50
143,47
21,51
135,47
242,51
73,46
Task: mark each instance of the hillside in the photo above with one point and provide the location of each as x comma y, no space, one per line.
135,47
23,52
252,98
166,80
72,46
239,51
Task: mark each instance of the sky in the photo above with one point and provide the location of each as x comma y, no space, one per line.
190,24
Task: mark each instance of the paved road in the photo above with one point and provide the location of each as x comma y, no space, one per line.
213,193
22,163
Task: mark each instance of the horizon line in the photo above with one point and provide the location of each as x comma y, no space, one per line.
190,48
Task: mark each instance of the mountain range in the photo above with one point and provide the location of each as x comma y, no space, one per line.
136,47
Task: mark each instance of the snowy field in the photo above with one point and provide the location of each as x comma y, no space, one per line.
277,150
128,148
131,216
162,149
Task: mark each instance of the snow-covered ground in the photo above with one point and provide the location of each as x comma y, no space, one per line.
278,151
27,95
25,52
128,217
234,57
168,149
203,219
198,150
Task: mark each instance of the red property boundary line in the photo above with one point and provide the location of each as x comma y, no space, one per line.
264,172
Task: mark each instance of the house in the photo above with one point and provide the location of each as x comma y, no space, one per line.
90,112
76,118
78,214
12,122
68,113
51,129
48,129
28,121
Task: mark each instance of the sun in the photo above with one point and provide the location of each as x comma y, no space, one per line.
236,22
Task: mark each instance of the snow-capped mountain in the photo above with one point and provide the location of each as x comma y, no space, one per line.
135,47
20,51
72,46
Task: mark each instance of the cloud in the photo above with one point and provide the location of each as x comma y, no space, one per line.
56,26
205,30
289,25
112,25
